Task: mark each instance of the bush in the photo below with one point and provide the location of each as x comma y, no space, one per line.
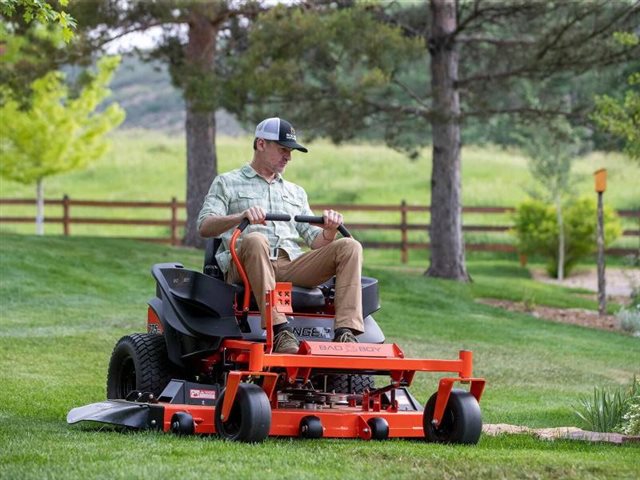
630,319
536,230
612,412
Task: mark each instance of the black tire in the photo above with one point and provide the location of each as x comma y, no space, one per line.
311,427
345,383
182,424
379,428
250,417
461,422
138,362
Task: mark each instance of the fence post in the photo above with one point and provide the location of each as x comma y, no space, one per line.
65,215
174,221
403,232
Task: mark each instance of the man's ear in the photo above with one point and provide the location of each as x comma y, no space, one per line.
261,144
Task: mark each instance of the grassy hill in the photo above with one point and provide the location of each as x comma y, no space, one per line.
149,165
65,302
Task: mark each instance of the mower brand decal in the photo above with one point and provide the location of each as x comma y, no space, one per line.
153,328
202,394
313,332
350,348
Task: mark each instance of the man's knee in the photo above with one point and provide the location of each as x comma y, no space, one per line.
349,246
254,243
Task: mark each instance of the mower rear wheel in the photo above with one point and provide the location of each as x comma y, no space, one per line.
138,362
461,422
250,417
344,383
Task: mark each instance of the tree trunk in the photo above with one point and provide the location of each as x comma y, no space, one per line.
560,220
200,124
39,207
447,243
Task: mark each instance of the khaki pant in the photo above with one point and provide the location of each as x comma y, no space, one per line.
342,258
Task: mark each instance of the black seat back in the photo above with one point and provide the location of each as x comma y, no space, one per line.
211,266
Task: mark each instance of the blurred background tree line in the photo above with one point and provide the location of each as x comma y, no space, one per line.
411,73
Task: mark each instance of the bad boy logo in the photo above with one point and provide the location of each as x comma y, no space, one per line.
291,135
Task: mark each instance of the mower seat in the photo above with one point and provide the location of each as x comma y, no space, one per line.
303,299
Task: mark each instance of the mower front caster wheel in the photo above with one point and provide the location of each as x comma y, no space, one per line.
182,424
379,428
311,427
250,417
461,422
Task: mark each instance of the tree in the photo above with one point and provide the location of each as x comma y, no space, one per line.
40,11
486,59
56,133
621,118
198,63
551,149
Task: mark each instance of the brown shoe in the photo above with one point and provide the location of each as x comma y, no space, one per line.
285,342
344,335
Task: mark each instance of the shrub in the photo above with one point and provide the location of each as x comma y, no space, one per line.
603,412
630,319
536,230
612,412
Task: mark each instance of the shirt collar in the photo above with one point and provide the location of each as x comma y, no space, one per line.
249,172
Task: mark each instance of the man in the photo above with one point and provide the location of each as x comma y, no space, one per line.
268,250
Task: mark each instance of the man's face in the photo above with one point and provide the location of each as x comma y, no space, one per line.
274,156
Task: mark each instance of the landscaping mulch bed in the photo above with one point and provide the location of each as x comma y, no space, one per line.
575,316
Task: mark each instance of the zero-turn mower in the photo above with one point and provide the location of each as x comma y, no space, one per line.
205,366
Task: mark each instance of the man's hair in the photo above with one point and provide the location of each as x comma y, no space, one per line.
255,144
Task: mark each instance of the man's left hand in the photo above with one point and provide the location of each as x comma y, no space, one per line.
332,220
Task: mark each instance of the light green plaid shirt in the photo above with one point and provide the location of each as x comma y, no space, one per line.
235,191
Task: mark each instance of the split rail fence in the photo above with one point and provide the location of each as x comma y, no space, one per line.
175,224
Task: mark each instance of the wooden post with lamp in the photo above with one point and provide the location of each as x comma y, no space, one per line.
601,186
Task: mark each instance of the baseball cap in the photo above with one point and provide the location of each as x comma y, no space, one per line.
280,131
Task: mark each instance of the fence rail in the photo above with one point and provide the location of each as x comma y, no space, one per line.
175,224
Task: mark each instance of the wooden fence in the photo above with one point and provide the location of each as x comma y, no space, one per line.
175,224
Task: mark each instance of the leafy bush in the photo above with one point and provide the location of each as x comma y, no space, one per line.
603,412
630,319
612,412
536,229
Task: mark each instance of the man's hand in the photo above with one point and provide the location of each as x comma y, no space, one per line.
332,220
255,215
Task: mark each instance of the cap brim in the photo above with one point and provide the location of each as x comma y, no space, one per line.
293,145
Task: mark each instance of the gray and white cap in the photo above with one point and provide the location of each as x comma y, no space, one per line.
280,131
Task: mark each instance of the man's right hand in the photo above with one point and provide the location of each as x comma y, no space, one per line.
255,215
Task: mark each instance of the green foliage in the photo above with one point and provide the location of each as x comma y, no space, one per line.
617,411
629,319
621,118
551,149
603,411
631,418
56,133
335,70
536,230
41,11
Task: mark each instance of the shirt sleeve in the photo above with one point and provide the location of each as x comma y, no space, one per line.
307,231
216,202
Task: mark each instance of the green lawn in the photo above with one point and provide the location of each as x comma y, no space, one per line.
65,302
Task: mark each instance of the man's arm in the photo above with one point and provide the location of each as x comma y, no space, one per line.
215,225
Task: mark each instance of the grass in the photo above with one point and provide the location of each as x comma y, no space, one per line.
147,165
65,302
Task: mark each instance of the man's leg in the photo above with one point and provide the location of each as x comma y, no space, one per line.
342,258
254,256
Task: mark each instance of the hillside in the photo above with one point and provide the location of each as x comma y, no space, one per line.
145,91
